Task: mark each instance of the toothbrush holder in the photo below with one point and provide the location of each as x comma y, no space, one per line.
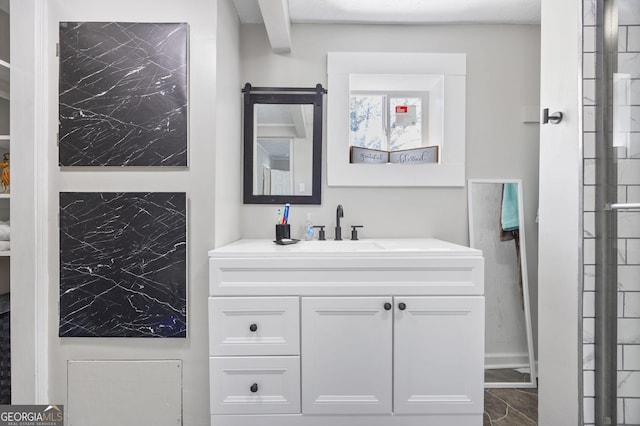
283,232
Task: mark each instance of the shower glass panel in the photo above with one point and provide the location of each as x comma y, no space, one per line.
626,142
616,217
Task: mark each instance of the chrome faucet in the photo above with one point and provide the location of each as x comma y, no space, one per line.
339,214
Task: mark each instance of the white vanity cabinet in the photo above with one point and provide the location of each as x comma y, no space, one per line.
375,333
355,344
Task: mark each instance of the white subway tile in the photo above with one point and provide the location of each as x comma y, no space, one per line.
622,194
628,224
633,193
635,114
589,145
632,304
589,119
633,252
588,39
589,278
589,65
628,172
588,330
622,252
589,198
634,146
629,384
633,38
588,304
589,172
628,331
589,251
628,13
588,407
628,277
588,357
589,92
588,383
631,357
632,411
621,151
589,12
629,63
635,91
589,225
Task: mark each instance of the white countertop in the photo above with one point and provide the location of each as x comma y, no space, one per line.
413,247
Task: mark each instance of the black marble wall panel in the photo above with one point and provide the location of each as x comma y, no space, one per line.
123,94
123,264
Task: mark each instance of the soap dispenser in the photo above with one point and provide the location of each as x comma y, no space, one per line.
308,228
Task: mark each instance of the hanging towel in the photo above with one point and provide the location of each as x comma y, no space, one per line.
509,217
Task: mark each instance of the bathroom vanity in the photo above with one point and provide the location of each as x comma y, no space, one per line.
346,333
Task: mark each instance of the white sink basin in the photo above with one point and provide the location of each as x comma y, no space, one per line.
337,246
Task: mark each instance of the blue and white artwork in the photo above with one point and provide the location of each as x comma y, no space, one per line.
123,264
123,94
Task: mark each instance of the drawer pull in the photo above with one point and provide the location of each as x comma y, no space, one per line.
254,388
402,306
253,327
387,306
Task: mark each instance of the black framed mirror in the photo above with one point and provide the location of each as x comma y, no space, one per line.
282,145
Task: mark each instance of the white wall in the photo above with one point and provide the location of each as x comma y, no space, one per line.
228,127
503,73
24,343
560,239
198,181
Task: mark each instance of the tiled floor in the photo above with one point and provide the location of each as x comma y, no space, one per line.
510,406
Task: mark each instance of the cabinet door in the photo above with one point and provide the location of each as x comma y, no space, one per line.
346,355
438,355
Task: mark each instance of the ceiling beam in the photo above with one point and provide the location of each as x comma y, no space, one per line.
275,14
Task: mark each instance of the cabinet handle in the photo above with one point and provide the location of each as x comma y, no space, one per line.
254,388
253,327
387,306
402,306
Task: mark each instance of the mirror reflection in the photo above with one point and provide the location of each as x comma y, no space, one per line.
496,226
283,149
282,145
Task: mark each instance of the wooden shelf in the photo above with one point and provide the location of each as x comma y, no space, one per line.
5,196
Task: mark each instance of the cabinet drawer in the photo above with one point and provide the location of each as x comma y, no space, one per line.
254,326
255,385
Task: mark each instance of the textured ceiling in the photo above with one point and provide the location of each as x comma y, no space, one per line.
401,11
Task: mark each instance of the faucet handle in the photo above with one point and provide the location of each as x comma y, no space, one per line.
321,235
354,231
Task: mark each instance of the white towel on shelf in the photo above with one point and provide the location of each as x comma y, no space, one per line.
5,231
5,245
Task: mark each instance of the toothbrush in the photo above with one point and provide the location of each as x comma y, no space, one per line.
285,218
279,217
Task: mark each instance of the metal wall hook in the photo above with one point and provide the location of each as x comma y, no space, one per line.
553,119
